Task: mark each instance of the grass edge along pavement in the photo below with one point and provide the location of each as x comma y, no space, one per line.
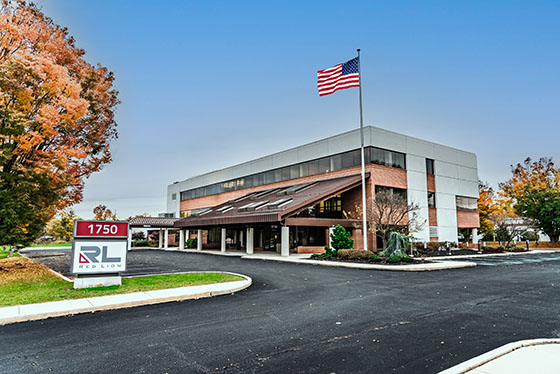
24,281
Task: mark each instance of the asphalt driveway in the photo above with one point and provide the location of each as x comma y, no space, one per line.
301,318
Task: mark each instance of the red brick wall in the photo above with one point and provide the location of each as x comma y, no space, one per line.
431,181
432,216
467,219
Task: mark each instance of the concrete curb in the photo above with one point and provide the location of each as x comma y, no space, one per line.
478,361
530,252
31,312
436,265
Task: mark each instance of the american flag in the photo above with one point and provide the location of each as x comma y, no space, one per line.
338,77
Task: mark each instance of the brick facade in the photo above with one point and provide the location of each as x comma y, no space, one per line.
467,219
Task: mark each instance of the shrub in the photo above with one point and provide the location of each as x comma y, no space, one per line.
329,252
140,243
191,243
340,238
374,258
354,255
398,258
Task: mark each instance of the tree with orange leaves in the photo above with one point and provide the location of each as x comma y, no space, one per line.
56,120
487,206
534,194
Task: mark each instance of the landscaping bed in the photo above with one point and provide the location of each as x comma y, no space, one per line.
24,281
363,257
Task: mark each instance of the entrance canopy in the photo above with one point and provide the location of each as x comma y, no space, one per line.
274,205
152,222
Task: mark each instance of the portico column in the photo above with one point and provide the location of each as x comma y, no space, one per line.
181,239
285,240
199,240
250,248
475,236
223,243
331,229
160,238
129,239
166,239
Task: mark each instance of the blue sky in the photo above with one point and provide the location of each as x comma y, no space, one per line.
205,85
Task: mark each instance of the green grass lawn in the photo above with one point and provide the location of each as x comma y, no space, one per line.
4,254
23,281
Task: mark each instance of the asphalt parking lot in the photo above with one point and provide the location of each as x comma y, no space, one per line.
301,318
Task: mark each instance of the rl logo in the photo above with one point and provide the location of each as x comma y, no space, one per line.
90,254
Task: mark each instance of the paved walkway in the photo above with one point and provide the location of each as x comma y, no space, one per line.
525,356
30,312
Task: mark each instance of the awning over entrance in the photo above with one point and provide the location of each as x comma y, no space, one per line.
162,223
273,205
152,222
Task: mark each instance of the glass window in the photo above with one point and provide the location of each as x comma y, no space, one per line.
278,175
431,200
347,160
199,192
392,192
313,167
258,179
174,196
429,166
398,160
336,162
377,156
357,157
294,171
285,173
268,177
467,203
324,164
304,169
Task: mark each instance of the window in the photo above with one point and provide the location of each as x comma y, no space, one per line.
313,167
294,171
391,191
429,166
252,206
324,165
398,160
304,169
331,208
174,196
319,166
285,173
224,209
279,203
388,158
431,200
336,162
466,203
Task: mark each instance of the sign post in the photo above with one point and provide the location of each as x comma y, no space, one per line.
99,253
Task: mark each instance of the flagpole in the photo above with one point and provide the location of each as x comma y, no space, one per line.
364,206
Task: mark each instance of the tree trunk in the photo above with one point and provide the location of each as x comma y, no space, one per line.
10,252
554,238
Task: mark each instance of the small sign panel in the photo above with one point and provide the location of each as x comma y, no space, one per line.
98,256
97,229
